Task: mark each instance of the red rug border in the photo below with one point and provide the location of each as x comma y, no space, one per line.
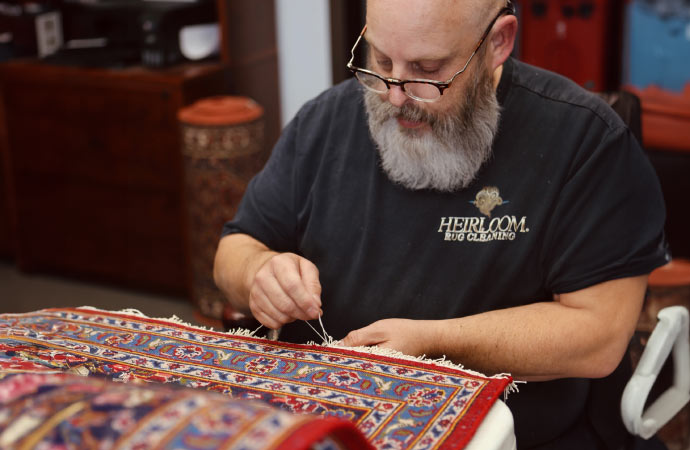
310,432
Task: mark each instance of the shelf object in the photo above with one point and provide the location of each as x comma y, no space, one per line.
222,147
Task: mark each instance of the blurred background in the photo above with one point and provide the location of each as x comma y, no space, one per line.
124,146
130,128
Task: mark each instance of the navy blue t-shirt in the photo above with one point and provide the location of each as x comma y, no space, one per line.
575,203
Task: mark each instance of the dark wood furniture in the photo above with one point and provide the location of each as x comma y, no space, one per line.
94,169
90,159
7,228
250,51
347,19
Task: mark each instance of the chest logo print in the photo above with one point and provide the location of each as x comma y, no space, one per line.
487,199
484,229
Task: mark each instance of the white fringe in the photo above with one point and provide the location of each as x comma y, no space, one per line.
386,352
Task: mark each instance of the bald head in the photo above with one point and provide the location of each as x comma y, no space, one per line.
411,30
460,13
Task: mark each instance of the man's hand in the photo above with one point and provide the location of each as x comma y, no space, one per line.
411,337
285,288
276,288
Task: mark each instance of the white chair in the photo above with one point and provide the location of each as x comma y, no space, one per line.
670,334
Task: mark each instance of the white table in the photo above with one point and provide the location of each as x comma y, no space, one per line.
496,432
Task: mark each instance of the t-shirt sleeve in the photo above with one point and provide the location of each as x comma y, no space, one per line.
267,209
609,220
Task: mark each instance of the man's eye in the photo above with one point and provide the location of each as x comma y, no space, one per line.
384,64
426,70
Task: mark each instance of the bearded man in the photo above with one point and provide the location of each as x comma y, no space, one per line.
453,201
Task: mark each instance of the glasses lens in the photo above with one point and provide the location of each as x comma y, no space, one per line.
422,91
371,82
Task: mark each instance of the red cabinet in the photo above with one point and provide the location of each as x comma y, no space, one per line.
577,38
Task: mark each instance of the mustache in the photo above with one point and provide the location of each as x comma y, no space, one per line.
409,111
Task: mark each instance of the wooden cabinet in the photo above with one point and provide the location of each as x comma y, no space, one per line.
95,171
249,49
90,159
6,212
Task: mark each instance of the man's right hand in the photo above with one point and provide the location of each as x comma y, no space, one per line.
285,288
276,288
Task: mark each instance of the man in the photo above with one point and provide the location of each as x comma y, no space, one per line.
506,218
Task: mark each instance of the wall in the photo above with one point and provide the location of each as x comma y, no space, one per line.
304,52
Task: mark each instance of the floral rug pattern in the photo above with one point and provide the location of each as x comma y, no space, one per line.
395,403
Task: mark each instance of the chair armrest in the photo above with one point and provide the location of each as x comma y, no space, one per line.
671,333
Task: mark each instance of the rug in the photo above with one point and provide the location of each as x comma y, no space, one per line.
394,402
59,411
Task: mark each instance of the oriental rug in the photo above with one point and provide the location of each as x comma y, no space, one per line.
61,411
395,402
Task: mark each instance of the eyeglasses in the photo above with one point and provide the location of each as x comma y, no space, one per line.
419,89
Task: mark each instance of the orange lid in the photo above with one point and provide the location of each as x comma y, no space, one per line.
221,111
675,273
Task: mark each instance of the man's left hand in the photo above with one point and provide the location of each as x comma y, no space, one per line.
411,337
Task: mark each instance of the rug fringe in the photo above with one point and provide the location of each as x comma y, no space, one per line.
242,332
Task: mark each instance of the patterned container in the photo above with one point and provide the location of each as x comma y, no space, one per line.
223,147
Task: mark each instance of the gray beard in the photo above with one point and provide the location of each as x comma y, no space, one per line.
449,157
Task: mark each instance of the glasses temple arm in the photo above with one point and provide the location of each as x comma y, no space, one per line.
352,51
506,9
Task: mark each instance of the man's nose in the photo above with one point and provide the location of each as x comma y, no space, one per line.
397,97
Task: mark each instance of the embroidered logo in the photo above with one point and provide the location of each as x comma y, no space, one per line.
487,199
484,229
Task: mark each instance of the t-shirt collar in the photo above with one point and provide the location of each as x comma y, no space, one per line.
504,84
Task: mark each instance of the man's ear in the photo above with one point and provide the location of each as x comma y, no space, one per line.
502,40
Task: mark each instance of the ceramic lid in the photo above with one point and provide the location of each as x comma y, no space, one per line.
226,110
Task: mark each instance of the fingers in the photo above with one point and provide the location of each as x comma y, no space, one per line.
277,290
367,336
311,300
310,277
294,292
410,337
273,319
285,288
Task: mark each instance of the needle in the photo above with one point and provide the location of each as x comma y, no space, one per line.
272,335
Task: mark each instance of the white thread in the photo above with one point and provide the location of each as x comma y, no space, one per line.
326,339
330,338
323,339
253,333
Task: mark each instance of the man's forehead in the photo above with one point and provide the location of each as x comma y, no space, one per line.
471,12
420,29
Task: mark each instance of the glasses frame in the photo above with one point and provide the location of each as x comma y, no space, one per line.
509,9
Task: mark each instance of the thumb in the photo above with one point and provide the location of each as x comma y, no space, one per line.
361,337
310,277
